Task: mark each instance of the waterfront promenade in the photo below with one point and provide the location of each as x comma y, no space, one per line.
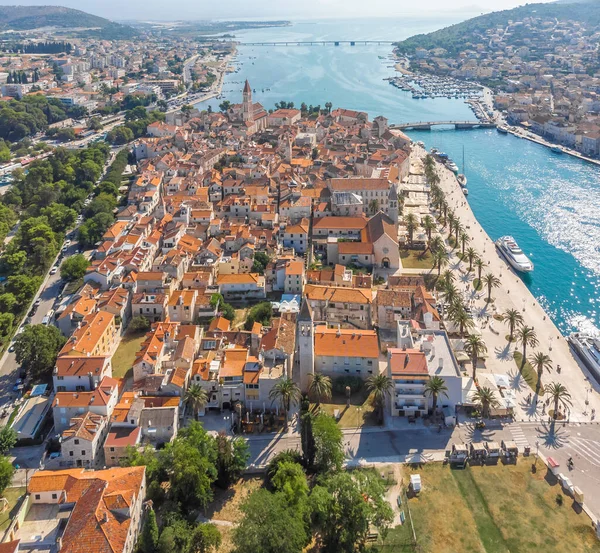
513,294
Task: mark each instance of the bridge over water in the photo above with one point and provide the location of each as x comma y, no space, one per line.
426,125
317,43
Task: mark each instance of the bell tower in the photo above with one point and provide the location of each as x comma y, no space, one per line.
305,340
247,111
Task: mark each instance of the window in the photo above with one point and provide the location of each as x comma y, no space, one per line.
76,442
70,454
54,496
112,448
83,452
370,363
60,378
37,496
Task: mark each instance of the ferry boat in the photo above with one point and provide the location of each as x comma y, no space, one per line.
502,129
587,348
514,255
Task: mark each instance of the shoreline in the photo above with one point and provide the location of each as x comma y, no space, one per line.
514,294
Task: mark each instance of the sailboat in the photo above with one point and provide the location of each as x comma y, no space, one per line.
462,179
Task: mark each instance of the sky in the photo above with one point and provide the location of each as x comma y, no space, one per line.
170,10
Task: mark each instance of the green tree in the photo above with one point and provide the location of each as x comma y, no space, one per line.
514,319
491,281
471,256
540,361
8,439
411,223
149,536
8,302
261,260
205,538
59,216
232,456
142,457
196,397
226,310
345,505
285,391
74,267
329,450
381,386
479,264
527,337
435,387
320,387
7,471
440,259
307,440
269,525
461,318
36,349
6,323
262,313
139,324
291,481
175,537
475,348
559,395
285,456
486,397
429,226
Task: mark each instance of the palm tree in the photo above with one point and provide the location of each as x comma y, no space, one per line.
527,336
320,386
437,244
434,178
286,391
479,265
475,347
458,228
380,385
540,361
328,106
435,386
462,320
450,219
411,223
450,292
559,395
440,259
196,397
374,206
514,319
464,240
491,281
446,279
429,226
486,397
471,256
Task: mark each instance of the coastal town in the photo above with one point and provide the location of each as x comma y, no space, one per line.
280,328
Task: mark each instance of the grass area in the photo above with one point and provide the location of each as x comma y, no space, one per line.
490,509
226,507
360,412
124,357
416,259
477,284
12,495
528,373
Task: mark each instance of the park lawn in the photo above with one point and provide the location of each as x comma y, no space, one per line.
490,509
528,372
124,357
12,495
360,413
416,259
523,506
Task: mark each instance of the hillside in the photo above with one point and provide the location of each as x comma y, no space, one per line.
455,37
23,18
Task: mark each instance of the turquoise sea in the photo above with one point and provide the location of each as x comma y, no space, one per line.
550,203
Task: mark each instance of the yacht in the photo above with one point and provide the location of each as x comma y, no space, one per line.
452,166
462,180
514,255
557,149
587,347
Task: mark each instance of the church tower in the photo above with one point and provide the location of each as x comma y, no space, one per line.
305,342
393,211
288,148
247,110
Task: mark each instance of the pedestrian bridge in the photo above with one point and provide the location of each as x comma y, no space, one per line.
426,125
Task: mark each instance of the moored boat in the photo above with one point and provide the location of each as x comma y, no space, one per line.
587,347
462,180
513,254
502,129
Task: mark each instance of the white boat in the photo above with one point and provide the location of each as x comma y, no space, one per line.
502,129
452,166
557,149
514,255
587,348
462,180
465,191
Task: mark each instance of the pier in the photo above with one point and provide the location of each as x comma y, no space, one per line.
317,43
426,125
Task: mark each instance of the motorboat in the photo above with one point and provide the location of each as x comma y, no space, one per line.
513,254
587,347
462,180
557,149
452,166
465,191
502,129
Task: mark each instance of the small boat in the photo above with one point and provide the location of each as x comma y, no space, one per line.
452,166
462,180
502,129
587,347
557,149
513,254
465,191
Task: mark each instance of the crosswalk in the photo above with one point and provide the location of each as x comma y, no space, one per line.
518,436
588,449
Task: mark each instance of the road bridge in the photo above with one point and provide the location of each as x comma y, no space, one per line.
317,43
426,125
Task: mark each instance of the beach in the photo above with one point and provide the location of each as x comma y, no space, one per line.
513,294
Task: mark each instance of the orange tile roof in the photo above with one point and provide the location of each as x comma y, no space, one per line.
409,362
337,294
346,343
85,339
234,361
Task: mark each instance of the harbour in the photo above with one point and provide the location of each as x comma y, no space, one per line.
548,202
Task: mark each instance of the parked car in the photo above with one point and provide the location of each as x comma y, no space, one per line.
54,270
18,385
37,302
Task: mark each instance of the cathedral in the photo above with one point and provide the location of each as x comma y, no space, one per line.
252,116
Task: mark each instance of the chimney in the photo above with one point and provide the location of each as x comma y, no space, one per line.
406,359
339,331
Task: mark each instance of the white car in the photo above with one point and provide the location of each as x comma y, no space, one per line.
54,270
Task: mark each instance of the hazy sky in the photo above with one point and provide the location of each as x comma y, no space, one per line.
268,9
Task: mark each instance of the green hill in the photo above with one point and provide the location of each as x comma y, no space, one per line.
455,37
23,18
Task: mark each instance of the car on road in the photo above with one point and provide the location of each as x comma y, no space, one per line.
21,329
11,348
37,302
18,385
54,270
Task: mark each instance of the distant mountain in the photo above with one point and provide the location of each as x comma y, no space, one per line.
23,18
453,38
